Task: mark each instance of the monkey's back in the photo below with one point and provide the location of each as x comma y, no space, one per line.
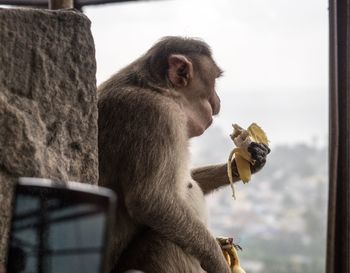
132,124
132,121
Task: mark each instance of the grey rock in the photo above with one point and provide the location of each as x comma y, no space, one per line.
48,102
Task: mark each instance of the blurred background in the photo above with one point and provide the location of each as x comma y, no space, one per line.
275,57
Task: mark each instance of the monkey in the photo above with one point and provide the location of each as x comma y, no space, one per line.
147,112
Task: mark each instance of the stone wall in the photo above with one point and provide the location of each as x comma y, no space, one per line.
48,109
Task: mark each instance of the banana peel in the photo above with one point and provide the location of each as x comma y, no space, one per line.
242,139
229,250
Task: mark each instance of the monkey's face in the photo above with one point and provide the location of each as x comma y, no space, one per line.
203,104
197,86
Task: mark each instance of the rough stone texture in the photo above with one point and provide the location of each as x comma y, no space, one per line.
48,112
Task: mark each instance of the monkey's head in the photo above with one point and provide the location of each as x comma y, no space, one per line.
187,67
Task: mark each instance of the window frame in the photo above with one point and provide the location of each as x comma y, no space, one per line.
338,228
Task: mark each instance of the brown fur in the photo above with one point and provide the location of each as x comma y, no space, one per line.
143,155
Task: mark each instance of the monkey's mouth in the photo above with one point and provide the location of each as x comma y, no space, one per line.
210,121
215,109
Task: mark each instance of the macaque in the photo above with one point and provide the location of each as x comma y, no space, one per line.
147,113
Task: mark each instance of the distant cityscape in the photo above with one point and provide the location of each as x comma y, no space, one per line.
279,218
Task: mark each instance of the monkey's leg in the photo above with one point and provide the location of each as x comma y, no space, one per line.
150,253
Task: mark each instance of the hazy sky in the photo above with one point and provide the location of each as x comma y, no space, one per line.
274,54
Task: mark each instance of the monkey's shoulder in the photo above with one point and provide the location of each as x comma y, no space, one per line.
136,116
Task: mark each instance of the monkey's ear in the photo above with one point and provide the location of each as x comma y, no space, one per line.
180,70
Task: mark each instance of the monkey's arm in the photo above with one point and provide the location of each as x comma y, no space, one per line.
212,177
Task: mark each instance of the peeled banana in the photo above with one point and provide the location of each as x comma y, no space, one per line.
230,254
242,139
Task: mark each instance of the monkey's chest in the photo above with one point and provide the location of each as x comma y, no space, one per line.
195,200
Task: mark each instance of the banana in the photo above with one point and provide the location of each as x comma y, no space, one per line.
235,266
227,257
230,253
242,139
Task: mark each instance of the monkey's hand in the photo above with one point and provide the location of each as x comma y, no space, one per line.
250,154
259,152
257,159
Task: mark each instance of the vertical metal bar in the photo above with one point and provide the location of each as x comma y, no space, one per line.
61,4
333,135
338,241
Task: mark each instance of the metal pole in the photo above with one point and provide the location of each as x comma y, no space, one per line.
61,4
338,241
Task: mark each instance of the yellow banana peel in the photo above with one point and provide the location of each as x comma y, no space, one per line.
235,266
230,253
242,139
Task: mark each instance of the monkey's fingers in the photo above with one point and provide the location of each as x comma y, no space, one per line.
258,150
